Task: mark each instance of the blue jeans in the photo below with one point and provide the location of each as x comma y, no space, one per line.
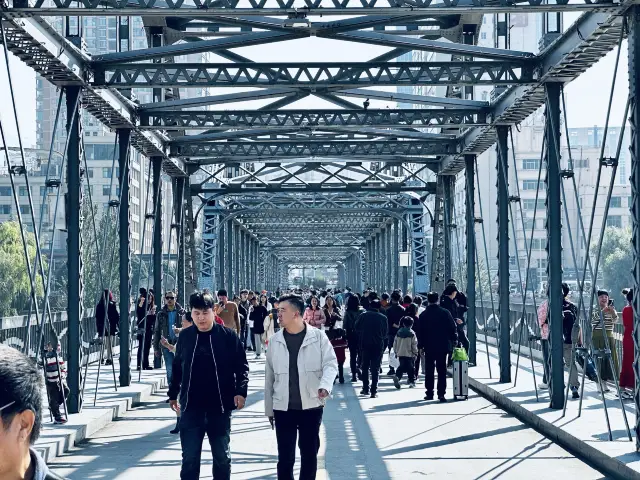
168,362
193,426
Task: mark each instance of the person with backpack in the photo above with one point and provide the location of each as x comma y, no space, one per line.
405,345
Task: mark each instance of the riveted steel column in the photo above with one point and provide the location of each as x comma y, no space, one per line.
395,256
246,258
229,257
236,260
634,149
471,255
554,245
374,263
404,235
256,260
384,259
503,254
448,199
222,260
74,250
179,215
388,258
124,233
157,229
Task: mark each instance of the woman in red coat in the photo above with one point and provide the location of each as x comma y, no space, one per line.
627,379
337,336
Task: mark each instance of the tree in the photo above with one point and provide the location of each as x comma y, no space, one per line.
15,287
616,262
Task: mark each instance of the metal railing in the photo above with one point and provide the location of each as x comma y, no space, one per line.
486,323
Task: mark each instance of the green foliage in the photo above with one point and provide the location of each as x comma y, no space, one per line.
616,261
14,277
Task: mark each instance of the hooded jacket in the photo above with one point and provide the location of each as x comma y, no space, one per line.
406,343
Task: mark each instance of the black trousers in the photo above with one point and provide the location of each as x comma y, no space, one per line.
303,426
437,361
194,424
371,359
355,359
55,397
406,365
143,350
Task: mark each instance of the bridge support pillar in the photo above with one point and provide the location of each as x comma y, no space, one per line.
419,248
502,165
634,148
388,261
156,164
404,270
395,255
448,197
554,243
73,203
210,247
124,233
228,258
236,261
180,242
471,255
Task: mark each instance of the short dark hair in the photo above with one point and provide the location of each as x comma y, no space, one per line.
407,321
294,300
372,296
433,297
603,292
22,384
411,310
417,300
451,280
222,293
449,289
201,300
395,296
375,304
188,317
565,289
244,290
385,296
407,299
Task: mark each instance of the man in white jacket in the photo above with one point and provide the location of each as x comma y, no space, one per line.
300,370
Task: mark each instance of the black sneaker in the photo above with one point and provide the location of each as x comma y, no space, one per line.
354,379
396,382
574,393
442,400
60,421
391,372
364,392
374,395
428,396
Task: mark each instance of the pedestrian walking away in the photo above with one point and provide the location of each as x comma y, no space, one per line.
257,316
405,346
300,370
394,314
209,381
107,320
571,336
373,331
438,335
627,376
353,310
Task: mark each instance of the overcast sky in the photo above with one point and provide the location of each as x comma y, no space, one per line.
587,96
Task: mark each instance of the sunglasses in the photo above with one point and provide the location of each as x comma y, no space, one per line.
7,405
169,298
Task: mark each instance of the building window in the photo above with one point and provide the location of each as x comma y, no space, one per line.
616,202
5,209
530,204
512,261
106,172
106,190
24,209
539,243
22,191
582,163
530,163
614,221
483,35
90,172
530,185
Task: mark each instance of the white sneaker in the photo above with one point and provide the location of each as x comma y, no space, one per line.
543,386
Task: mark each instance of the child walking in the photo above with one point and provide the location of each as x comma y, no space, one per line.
406,348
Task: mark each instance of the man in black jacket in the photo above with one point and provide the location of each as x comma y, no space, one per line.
372,328
210,374
456,302
436,336
394,313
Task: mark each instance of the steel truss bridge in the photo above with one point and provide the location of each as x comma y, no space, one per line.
342,186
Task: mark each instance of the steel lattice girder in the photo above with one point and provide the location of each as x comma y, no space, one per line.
224,119
56,59
339,75
209,8
584,43
273,149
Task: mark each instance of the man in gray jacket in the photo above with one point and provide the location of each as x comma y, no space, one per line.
300,370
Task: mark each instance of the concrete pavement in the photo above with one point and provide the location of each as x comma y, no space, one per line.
396,436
